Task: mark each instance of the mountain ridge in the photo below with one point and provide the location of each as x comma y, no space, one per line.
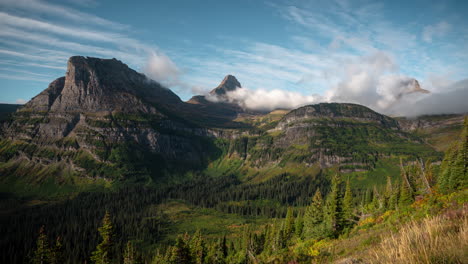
102,115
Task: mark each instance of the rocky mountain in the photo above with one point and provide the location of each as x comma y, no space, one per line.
440,131
99,115
105,120
350,136
229,84
217,102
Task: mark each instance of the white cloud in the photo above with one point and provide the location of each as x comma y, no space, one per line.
267,100
161,68
451,101
20,101
437,30
61,11
69,31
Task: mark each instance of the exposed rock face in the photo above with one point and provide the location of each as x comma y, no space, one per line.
329,134
108,113
217,102
430,122
93,85
229,84
101,104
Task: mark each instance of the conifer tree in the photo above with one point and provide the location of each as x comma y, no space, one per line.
348,208
299,226
314,216
130,255
393,200
197,248
180,253
376,200
454,167
289,224
224,247
388,193
103,252
405,196
57,256
216,253
42,254
335,207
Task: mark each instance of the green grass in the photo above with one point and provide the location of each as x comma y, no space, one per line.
213,224
377,176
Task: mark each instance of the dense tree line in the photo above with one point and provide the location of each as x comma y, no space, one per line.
76,219
102,227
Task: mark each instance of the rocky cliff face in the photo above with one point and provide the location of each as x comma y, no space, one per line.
350,136
430,122
100,106
229,84
103,118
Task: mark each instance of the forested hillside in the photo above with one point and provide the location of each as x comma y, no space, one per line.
105,166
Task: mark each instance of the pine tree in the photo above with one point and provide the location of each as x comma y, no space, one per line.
299,226
388,193
289,224
334,219
224,247
216,253
393,200
103,252
180,253
314,216
376,200
406,192
130,254
348,208
197,248
57,256
42,255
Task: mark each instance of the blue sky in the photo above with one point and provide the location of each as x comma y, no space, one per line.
302,50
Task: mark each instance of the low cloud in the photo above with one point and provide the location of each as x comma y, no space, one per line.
450,101
20,101
161,68
267,100
373,81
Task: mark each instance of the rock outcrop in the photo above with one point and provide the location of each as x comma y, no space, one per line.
229,84
101,105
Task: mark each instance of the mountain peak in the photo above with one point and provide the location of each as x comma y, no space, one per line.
229,83
95,84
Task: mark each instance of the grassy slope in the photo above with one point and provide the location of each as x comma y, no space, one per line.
433,230
213,224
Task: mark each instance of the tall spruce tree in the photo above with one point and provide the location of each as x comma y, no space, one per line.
454,167
42,254
130,255
348,208
103,252
334,208
314,217
299,226
197,248
289,224
180,252
57,255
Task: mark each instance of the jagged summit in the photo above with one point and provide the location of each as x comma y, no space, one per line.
94,84
229,83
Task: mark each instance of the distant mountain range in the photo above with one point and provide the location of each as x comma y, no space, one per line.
103,120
